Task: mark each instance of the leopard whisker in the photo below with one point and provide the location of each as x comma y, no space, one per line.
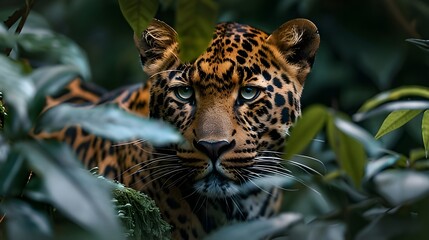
272,167
304,167
166,71
164,166
161,174
237,206
273,172
192,193
196,208
152,161
128,143
178,180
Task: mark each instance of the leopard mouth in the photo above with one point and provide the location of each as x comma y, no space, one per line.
216,185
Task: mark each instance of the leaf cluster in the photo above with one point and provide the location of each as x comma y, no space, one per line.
44,189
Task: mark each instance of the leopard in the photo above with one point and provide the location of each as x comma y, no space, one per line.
233,106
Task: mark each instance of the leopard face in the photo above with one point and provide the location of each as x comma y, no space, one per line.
234,104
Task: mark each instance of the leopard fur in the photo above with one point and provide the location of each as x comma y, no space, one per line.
233,106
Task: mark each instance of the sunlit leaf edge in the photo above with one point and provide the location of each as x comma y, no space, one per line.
395,94
395,120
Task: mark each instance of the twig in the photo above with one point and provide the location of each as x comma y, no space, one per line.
22,14
408,27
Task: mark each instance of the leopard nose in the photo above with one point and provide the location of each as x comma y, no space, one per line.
215,149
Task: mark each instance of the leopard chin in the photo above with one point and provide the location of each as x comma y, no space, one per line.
214,185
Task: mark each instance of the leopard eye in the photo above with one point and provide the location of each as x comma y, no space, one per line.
249,93
184,93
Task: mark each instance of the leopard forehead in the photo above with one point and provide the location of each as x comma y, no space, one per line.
232,44
236,52
238,55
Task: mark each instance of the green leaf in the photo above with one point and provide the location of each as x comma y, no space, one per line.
54,48
18,92
108,121
422,44
195,20
425,131
350,153
71,189
25,222
401,186
393,106
305,129
138,13
359,134
395,94
257,229
395,120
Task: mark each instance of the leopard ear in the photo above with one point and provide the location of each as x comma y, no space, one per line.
158,47
297,41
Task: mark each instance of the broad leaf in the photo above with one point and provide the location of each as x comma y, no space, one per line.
401,186
395,94
358,133
425,131
138,13
376,166
108,121
257,229
71,189
24,221
305,129
350,153
195,20
393,106
54,48
395,120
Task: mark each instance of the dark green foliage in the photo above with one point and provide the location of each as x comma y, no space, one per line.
138,13
195,20
44,191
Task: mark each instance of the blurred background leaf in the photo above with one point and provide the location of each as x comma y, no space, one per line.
138,13
195,21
